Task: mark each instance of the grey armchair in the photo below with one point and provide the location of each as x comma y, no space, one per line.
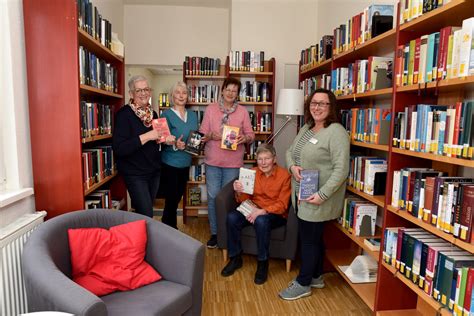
283,240
176,256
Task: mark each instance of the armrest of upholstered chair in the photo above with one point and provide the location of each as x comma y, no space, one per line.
225,202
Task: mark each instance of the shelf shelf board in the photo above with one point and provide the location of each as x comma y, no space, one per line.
263,133
421,294
95,138
360,240
369,145
399,312
432,229
250,161
377,46
446,85
95,186
376,199
197,207
451,13
366,291
387,92
451,160
96,47
251,74
255,103
196,182
85,89
196,104
321,68
198,77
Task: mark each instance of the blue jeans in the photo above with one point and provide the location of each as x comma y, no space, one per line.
216,179
142,190
263,226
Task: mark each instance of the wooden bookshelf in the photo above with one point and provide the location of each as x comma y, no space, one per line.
250,73
193,77
366,291
446,85
256,103
360,240
379,200
387,92
321,68
97,185
444,159
370,145
52,58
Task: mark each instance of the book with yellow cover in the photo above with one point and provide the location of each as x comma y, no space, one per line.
229,137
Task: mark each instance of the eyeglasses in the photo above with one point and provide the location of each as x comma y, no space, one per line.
144,91
321,105
230,91
264,159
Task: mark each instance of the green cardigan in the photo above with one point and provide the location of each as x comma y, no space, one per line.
330,155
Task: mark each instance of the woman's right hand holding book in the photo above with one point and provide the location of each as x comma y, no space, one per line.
150,135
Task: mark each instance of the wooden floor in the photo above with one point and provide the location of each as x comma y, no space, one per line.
238,295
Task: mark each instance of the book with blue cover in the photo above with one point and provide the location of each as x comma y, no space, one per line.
309,183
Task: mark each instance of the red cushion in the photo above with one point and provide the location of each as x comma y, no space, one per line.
104,261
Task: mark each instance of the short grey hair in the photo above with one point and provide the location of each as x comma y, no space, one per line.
131,81
175,87
265,147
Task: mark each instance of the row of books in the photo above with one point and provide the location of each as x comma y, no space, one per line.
362,75
358,216
246,61
359,28
97,163
255,91
444,202
261,121
96,72
197,172
201,66
164,100
91,21
98,199
368,174
441,269
251,149
206,93
438,129
412,9
96,119
369,125
446,54
317,53
309,85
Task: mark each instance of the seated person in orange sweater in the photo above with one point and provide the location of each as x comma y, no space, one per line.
272,197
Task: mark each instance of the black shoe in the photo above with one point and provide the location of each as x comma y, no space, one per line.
234,264
212,243
262,272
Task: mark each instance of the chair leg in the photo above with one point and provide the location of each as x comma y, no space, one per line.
224,253
288,265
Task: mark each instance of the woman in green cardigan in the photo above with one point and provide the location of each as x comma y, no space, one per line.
322,144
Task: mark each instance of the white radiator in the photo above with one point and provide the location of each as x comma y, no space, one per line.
12,239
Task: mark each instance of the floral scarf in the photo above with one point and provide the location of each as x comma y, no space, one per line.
144,114
226,111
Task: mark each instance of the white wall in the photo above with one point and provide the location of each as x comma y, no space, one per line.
112,10
164,35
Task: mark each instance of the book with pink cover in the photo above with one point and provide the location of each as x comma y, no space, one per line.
161,125
229,137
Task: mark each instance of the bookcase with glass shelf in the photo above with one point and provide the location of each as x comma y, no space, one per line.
217,78
393,293
56,95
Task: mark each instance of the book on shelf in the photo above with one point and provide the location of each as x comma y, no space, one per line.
201,66
373,243
309,183
194,144
246,207
161,125
247,178
229,137
194,196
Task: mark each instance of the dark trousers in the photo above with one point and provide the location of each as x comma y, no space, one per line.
142,190
263,226
312,250
174,182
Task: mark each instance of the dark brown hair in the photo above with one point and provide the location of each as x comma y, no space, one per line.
333,115
229,80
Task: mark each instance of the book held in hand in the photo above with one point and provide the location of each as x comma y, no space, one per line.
246,207
309,183
161,125
247,178
229,137
194,144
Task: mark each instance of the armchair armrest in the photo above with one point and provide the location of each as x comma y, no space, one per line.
225,202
